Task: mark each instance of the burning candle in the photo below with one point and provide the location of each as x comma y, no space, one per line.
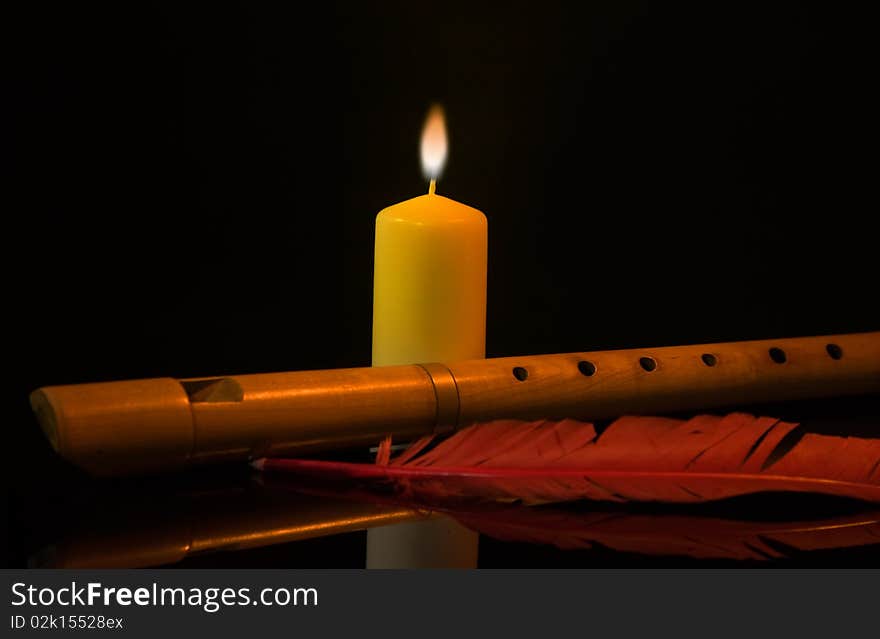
429,305
429,290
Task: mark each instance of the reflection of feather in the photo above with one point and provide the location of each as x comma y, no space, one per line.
691,536
634,459
686,534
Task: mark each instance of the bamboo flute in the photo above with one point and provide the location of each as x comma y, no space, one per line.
156,424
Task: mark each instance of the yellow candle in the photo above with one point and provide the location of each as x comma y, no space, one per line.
429,305
429,288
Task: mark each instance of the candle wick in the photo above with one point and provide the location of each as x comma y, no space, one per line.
432,187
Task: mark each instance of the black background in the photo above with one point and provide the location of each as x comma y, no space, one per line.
192,189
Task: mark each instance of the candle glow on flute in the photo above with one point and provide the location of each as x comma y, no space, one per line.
157,424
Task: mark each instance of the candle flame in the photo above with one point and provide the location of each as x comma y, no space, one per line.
434,143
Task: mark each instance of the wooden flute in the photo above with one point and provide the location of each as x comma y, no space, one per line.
156,424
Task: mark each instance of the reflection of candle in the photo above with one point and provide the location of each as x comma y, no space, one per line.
429,305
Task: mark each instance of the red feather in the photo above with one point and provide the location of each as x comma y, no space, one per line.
634,459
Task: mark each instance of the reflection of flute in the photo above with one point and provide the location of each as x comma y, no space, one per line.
145,425
152,532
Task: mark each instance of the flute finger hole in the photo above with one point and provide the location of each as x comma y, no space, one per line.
587,369
834,351
709,359
520,373
648,363
777,355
